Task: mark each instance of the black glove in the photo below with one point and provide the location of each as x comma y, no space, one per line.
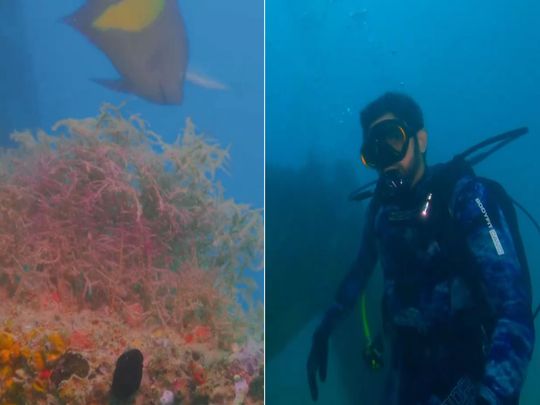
317,360
318,356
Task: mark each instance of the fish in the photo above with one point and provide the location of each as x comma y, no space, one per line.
145,40
127,374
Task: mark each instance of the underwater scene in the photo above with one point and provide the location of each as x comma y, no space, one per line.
131,202
472,68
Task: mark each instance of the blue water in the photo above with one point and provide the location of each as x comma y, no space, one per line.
472,66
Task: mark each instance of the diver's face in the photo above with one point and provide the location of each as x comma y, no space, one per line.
412,165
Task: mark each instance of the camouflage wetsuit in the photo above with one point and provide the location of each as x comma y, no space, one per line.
457,295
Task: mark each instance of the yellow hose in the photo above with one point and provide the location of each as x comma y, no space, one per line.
365,320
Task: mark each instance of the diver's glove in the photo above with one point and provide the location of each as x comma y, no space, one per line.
318,356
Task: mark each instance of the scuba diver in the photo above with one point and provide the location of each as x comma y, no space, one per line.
457,300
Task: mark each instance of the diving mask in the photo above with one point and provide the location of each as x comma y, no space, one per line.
386,143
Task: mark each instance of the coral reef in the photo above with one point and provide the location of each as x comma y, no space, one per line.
111,238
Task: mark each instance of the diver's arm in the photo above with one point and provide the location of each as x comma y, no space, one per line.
507,287
348,292
355,281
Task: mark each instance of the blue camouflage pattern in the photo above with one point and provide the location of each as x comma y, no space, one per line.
433,292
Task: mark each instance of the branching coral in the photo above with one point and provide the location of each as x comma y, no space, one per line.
104,212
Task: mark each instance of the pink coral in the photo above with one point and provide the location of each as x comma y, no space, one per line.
106,213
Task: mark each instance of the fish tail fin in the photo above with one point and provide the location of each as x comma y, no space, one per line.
205,81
